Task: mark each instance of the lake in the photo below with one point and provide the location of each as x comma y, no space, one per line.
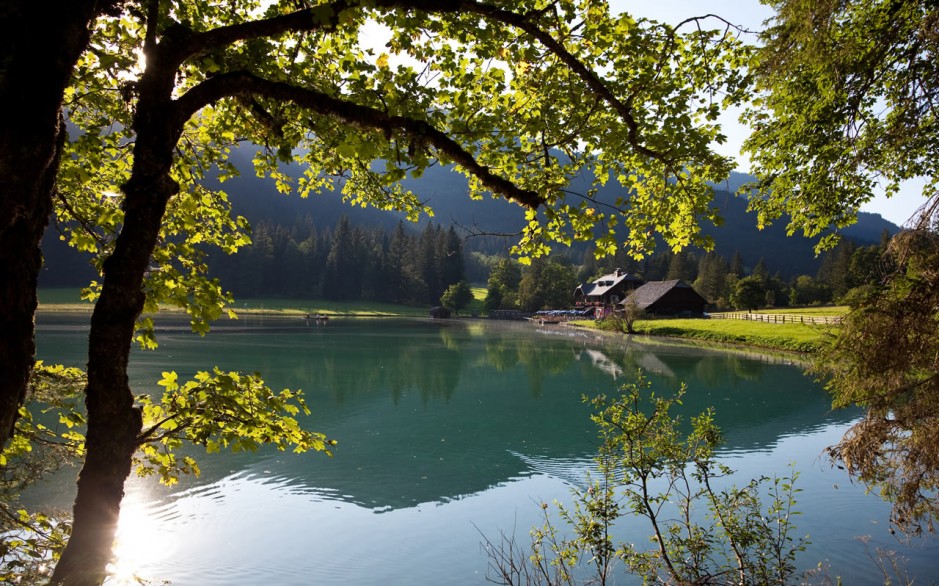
451,432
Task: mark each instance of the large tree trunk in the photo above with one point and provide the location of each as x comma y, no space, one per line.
41,44
114,423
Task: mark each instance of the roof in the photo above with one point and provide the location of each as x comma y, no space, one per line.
652,291
604,284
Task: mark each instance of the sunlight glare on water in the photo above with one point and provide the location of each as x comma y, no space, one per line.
139,542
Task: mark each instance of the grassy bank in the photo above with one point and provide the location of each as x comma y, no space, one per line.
787,337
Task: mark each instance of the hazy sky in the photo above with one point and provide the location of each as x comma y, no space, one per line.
751,15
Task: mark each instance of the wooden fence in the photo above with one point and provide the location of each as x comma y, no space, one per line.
780,318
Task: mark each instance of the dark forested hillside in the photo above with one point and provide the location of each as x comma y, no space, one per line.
445,191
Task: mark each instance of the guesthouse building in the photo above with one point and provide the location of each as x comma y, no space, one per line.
608,290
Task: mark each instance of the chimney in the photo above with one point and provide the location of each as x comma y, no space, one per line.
619,272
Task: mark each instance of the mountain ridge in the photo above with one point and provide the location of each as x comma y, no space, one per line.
446,192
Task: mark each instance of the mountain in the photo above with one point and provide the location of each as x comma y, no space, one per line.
446,192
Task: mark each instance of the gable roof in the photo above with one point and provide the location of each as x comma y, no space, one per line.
652,291
606,283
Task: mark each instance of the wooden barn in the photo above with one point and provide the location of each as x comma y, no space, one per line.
671,298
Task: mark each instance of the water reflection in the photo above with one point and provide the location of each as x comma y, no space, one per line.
443,427
428,411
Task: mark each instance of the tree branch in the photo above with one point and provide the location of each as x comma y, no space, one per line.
593,81
324,16
240,83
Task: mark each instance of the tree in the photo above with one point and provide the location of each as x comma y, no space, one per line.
341,277
502,285
452,267
885,360
712,277
683,265
648,470
213,74
806,290
749,293
457,296
546,284
33,80
835,267
847,101
631,314
736,264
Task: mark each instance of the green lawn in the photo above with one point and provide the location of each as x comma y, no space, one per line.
789,337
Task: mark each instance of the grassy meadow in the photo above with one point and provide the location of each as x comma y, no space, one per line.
788,337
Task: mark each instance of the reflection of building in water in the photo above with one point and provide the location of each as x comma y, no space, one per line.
603,362
650,362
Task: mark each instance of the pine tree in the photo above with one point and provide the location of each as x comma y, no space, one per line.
682,265
712,277
736,264
338,279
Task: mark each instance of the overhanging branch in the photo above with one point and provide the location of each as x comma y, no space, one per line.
242,83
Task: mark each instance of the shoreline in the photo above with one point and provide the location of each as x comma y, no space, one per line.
795,356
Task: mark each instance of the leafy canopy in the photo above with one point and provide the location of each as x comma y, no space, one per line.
520,96
847,102
884,360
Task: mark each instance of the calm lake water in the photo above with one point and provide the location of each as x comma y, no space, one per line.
448,432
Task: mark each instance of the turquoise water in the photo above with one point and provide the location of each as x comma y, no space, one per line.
450,433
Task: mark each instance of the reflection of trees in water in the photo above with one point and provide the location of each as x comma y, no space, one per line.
501,353
542,361
452,336
431,367
714,369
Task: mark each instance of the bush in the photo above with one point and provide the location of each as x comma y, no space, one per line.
744,542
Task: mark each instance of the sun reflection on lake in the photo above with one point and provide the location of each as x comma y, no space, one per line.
139,543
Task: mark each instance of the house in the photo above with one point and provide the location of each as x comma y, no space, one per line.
674,297
607,290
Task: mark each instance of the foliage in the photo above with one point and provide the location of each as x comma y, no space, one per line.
546,284
221,410
885,361
457,296
847,100
622,321
502,285
711,282
218,411
659,83
648,469
806,290
46,439
520,96
749,293
631,314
